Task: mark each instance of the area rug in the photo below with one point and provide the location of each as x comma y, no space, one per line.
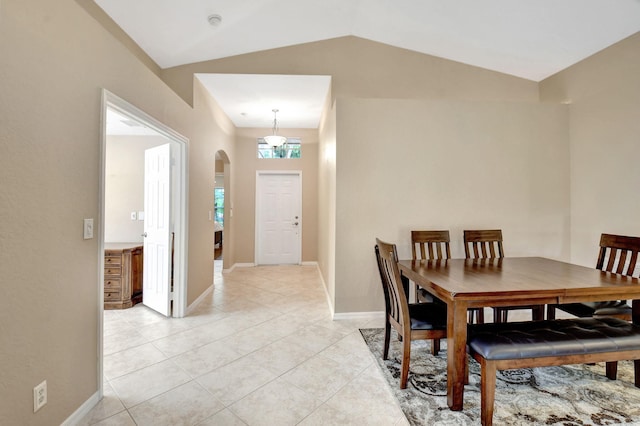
566,395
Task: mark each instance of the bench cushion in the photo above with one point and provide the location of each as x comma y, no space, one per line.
534,339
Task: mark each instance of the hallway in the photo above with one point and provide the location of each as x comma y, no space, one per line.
261,349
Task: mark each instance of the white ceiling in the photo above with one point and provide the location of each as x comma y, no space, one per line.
121,125
249,99
532,39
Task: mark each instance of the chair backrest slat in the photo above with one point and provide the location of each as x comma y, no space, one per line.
632,263
483,243
615,250
435,243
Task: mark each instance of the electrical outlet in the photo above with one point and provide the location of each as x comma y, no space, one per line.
39,396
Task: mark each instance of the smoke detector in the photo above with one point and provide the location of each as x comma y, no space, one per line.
214,20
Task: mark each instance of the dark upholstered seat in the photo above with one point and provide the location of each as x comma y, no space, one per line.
427,316
612,308
553,338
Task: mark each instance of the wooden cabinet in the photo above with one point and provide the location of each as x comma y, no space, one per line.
122,275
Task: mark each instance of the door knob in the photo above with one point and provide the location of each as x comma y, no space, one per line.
144,235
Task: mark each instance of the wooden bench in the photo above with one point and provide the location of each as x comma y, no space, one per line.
505,346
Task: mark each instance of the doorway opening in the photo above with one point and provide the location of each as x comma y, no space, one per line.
119,118
221,211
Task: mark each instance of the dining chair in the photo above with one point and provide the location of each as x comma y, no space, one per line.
618,254
429,245
487,244
415,321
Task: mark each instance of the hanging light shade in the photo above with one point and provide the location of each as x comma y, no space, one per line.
274,140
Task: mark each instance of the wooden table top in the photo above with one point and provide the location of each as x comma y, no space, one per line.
518,278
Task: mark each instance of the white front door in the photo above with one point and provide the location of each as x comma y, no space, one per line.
278,218
156,292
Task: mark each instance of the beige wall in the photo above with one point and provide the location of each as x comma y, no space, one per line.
124,186
604,125
406,164
356,71
55,61
363,68
210,130
244,205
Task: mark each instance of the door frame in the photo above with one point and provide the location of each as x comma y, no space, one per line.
180,196
259,174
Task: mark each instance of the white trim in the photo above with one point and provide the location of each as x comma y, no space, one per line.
238,265
192,307
182,214
111,101
312,263
332,309
83,410
378,315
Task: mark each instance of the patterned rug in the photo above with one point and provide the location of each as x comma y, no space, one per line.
539,396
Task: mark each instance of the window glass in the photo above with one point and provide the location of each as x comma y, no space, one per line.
291,149
218,205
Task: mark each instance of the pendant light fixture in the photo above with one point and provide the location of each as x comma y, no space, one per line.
274,140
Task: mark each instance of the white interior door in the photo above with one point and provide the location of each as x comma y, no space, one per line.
278,218
156,292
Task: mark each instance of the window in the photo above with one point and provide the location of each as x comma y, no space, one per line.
218,205
291,149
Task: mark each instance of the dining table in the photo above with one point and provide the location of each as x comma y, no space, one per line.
510,281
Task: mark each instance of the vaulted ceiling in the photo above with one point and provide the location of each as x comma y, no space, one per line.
531,39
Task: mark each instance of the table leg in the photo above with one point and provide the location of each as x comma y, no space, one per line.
635,311
456,353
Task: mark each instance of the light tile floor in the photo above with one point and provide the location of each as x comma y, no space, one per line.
262,349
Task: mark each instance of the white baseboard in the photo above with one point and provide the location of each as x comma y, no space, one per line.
199,300
326,292
377,315
83,410
238,265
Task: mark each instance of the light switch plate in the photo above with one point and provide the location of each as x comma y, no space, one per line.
134,215
88,229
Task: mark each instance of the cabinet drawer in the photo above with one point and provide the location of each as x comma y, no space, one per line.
112,260
111,295
112,284
112,271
